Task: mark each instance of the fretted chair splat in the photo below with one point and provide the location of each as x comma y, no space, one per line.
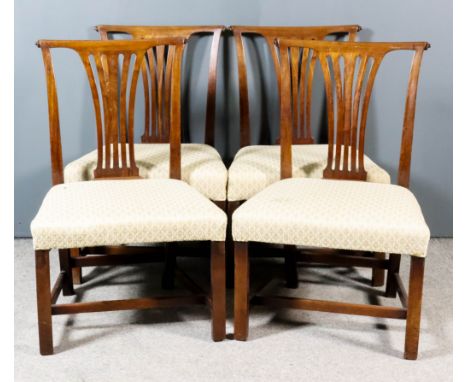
112,70
302,133
156,88
349,71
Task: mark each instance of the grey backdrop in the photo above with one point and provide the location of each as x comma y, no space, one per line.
429,20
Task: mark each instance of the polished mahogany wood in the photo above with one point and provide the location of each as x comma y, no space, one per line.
241,291
413,321
302,133
66,268
157,130
44,298
218,291
330,306
129,304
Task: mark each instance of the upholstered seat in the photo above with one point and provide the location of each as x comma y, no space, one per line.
202,167
113,212
256,167
334,214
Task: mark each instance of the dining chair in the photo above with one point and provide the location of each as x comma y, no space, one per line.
255,166
119,207
341,211
201,164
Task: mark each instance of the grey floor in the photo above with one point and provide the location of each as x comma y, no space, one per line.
175,345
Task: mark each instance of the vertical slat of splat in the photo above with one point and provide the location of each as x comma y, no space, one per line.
408,121
123,109
350,64
276,59
310,80
364,109
285,110
96,104
131,113
167,93
294,60
113,92
160,64
340,111
355,111
144,72
102,75
323,58
211,96
243,91
301,129
154,98
54,121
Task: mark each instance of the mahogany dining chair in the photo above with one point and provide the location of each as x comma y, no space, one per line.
343,211
120,208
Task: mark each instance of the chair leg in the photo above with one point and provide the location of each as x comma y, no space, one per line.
218,291
413,319
230,208
290,265
77,274
378,275
391,287
168,277
44,310
241,291
64,257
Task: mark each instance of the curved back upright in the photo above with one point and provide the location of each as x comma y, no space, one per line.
112,69
302,133
156,128
349,70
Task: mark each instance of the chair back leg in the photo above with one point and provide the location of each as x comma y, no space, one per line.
66,269
77,273
290,266
218,291
241,291
378,275
413,318
44,309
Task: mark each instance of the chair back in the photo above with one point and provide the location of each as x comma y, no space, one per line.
156,126
349,70
113,69
302,132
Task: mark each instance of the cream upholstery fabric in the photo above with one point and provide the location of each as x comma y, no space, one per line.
114,212
334,214
202,167
256,167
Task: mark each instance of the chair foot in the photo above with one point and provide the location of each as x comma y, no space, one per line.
241,291
44,310
218,291
378,275
413,319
